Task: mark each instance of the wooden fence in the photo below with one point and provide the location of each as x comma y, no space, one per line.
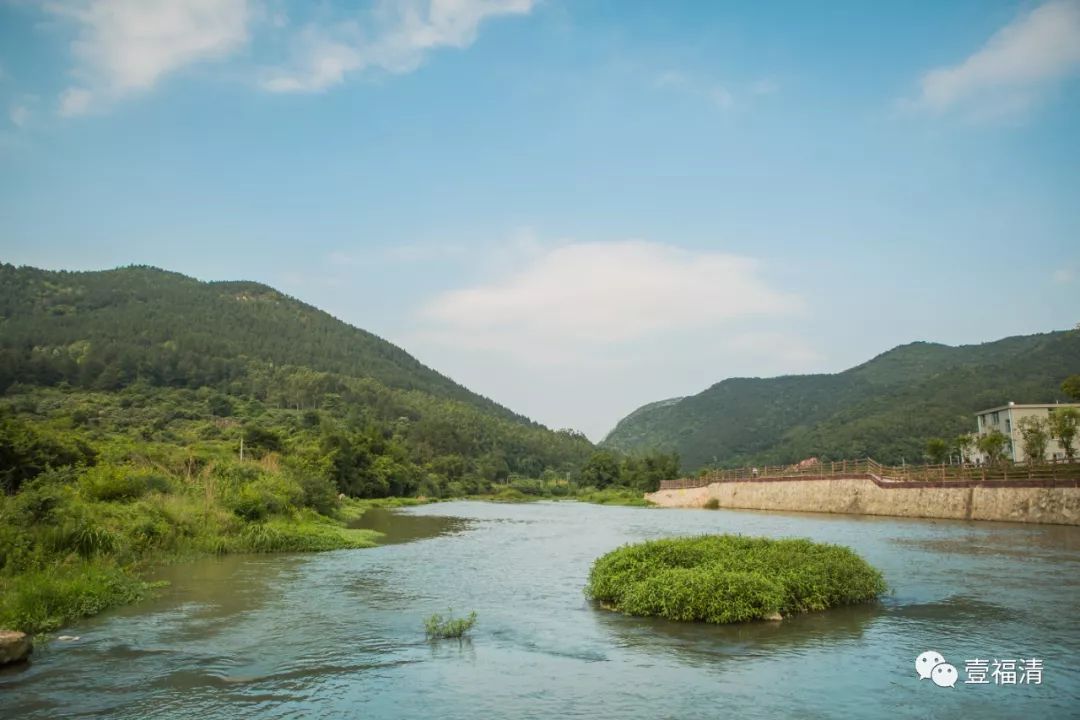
867,467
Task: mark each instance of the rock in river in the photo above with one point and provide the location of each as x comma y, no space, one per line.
14,646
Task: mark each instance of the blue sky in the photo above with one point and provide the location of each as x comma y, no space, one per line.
572,206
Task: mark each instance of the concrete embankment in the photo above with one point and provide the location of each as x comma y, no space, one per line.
1053,502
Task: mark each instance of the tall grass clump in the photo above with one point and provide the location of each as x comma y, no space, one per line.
439,627
44,600
75,541
730,578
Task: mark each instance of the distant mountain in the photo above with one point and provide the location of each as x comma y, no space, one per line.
106,329
886,408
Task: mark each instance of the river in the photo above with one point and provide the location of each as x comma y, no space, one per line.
340,635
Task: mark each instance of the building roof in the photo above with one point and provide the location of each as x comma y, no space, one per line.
1028,406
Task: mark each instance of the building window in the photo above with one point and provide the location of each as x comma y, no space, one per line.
994,418
1008,425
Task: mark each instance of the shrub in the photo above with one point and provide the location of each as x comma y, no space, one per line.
730,578
109,483
260,440
27,450
80,535
262,496
712,504
439,627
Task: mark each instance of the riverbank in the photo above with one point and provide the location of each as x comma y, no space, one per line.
212,645
70,550
73,549
1044,502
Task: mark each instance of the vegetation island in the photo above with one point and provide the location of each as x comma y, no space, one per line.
731,578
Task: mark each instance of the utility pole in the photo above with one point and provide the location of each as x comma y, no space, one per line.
241,448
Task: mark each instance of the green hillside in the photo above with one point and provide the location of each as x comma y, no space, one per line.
104,330
886,408
156,357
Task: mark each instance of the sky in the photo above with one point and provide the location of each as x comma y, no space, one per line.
574,207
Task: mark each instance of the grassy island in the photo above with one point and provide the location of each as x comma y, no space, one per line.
730,578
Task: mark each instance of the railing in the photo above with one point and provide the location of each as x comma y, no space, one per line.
965,473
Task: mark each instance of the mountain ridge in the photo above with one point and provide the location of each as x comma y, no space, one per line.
886,407
36,297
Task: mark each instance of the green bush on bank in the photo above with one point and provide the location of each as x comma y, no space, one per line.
730,578
74,541
44,600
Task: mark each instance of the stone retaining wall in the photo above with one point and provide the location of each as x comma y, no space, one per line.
1016,501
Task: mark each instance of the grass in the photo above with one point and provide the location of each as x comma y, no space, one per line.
613,496
730,578
438,627
76,542
41,601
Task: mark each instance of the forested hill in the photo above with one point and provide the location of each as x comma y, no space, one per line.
886,408
152,367
104,330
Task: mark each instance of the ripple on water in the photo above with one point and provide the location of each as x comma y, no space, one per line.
340,634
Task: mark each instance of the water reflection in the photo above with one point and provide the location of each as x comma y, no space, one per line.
398,527
954,609
701,643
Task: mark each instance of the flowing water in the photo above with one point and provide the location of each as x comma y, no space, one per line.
340,635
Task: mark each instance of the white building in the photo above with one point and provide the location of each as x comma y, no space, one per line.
1005,419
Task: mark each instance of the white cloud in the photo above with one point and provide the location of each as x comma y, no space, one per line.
722,97
670,79
1006,75
394,37
573,303
75,101
127,46
765,86
19,115
580,333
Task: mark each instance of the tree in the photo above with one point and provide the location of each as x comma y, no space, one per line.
937,450
1064,423
601,469
260,440
26,452
1036,437
1071,387
645,472
963,444
992,445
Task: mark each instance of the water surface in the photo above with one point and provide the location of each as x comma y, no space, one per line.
340,634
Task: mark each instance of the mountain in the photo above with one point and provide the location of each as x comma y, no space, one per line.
139,355
106,329
886,408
